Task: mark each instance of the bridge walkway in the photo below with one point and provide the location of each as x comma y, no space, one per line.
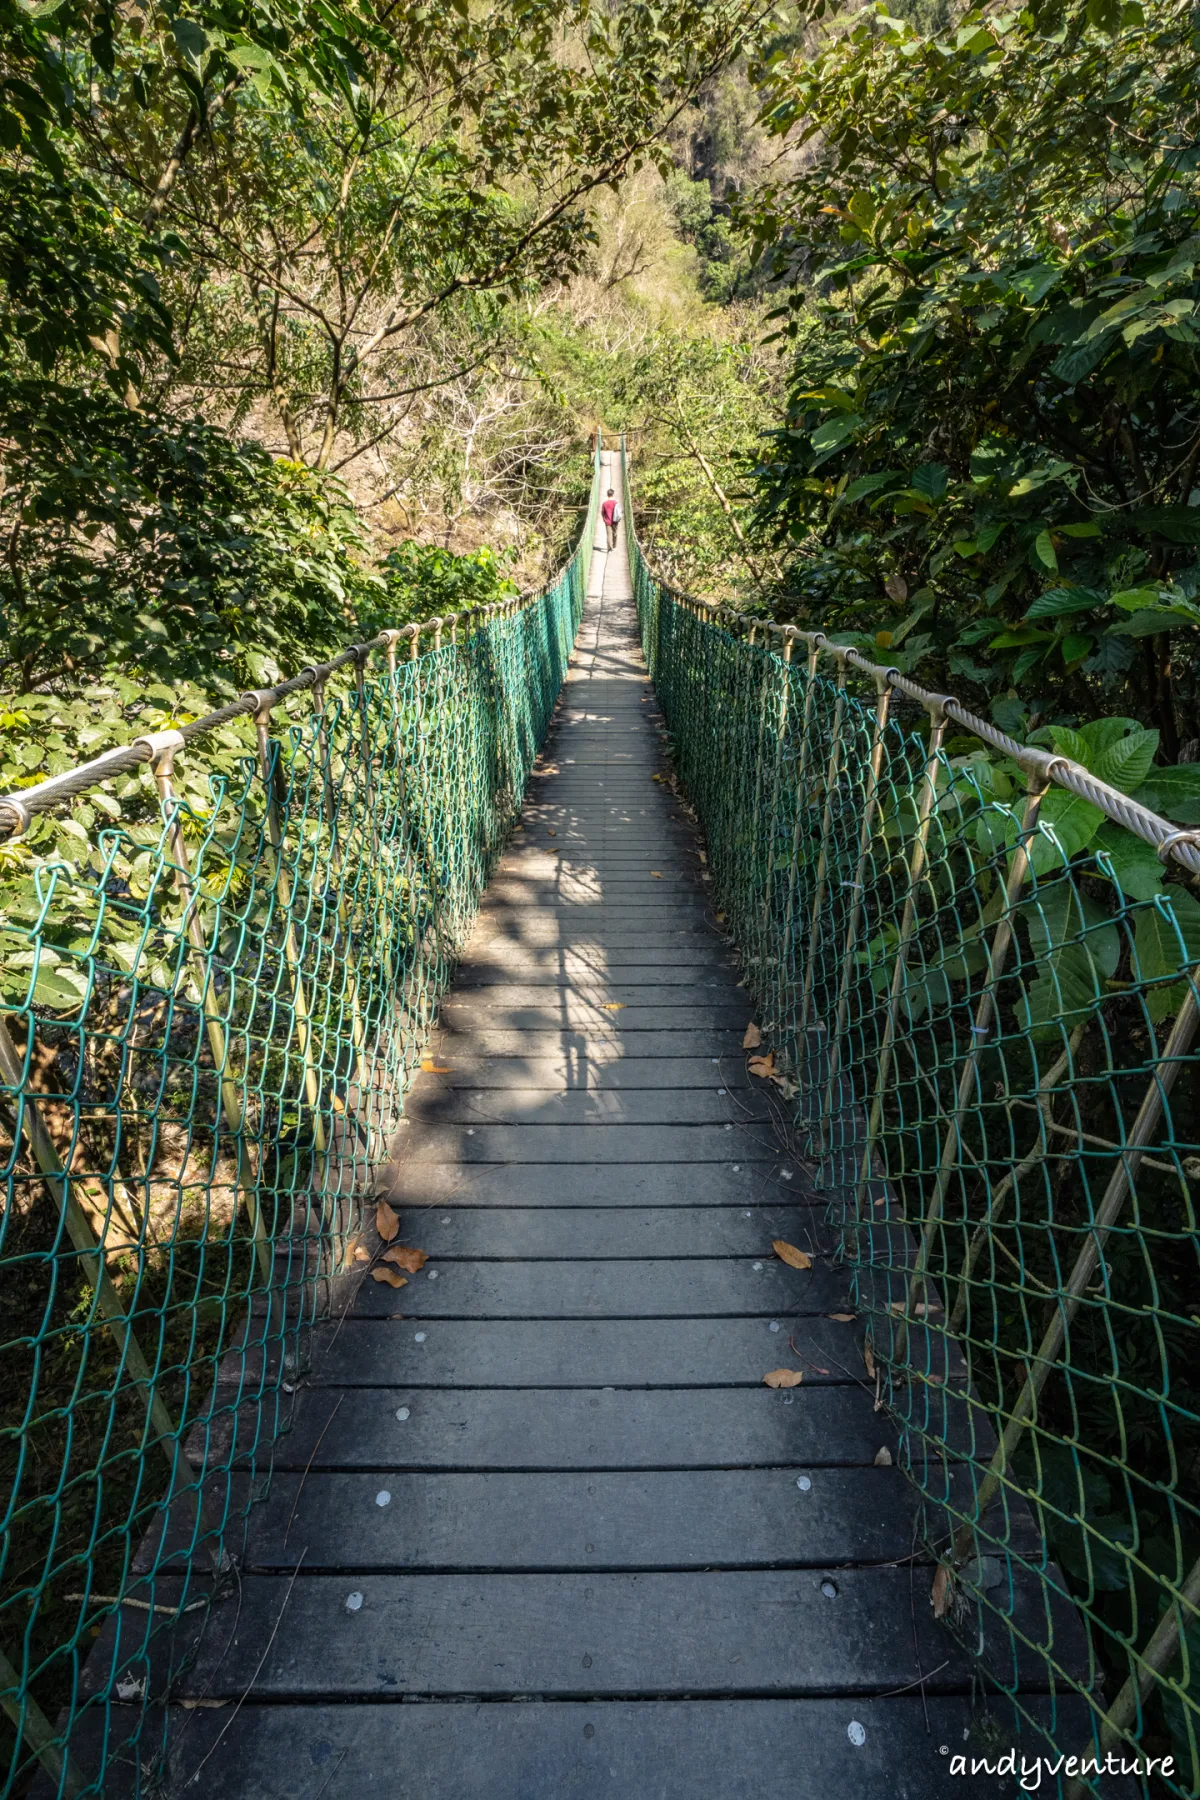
540,1531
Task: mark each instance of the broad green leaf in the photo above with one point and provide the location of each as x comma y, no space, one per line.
1063,996
1173,792
1153,620
1135,863
1043,549
1071,743
865,484
1177,524
1060,917
1073,822
1166,942
835,432
930,480
1125,763
1057,603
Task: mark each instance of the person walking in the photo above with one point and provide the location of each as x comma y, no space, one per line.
610,512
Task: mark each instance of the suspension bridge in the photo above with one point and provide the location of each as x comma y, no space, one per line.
558,1247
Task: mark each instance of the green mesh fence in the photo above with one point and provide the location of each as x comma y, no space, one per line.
975,965
210,1012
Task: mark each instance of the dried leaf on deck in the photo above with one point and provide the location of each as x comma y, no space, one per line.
783,1378
869,1358
432,1068
883,1457
788,1253
614,1006
386,1222
753,1037
656,874
844,1318
763,1065
939,1597
412,1260
550,831
390,1276
361,1253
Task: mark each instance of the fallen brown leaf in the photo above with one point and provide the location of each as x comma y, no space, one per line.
386,1222
432,1068
926,1309
404,1258
939,1596
361,1253
614,1006
656,874
550,831
753,1037
763,1065
844,1318
869,1358
783,1378
390,1276
788,1253
883,1458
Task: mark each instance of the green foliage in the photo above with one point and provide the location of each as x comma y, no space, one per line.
157,547
421,581
992,252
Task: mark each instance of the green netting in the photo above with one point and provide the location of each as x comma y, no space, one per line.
210,1015
984,1010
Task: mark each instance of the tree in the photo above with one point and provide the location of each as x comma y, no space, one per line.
994,420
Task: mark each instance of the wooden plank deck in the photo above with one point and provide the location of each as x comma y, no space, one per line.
539,1532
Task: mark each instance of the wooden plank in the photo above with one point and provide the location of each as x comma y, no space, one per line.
619,1232
710,1518
594,980
758,1749
814,1426
669,1287
506,959
520,1145
594,1184
459,1105
551,1353
569,1635
572,1013
595,1073
591,969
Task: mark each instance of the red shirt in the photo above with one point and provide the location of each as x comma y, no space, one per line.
607,511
